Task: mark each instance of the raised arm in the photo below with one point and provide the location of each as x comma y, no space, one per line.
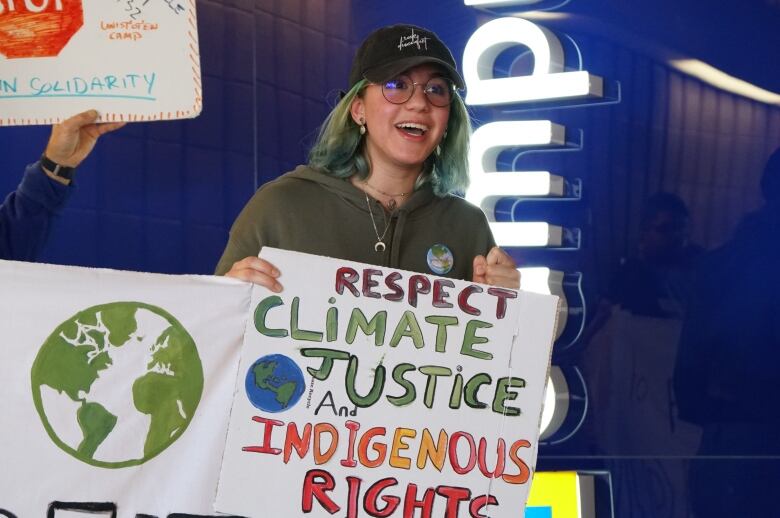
72,141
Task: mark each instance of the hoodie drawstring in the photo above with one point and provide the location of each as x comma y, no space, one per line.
395,248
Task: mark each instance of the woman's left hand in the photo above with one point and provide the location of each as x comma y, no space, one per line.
498,269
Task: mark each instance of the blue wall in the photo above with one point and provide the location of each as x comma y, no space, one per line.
161,197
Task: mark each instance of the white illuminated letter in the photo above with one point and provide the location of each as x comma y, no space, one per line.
487,185
531,233
548,80
488,141
543,280
499,3
556,403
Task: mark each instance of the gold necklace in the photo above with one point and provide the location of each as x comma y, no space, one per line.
390,195
392,204
379,246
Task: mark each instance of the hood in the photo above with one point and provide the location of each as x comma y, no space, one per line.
417,203
417,206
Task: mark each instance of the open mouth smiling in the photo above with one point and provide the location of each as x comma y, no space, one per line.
412,128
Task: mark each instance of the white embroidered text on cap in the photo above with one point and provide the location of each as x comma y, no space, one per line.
413,39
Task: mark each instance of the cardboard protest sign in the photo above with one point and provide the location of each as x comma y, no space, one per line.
132,60
116,388
369,391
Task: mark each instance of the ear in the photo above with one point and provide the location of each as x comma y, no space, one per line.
357,110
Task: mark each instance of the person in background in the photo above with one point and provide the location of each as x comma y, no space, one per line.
379,186
655,282
627,352
26,215
726,379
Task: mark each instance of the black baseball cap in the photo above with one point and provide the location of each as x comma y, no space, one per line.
388,51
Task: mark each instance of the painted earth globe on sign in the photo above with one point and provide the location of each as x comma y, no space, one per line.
116,384
440,259
274,383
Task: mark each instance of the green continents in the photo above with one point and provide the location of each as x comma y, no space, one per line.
116,384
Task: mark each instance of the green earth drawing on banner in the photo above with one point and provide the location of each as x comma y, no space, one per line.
116,384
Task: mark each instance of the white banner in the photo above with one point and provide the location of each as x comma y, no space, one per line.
361,390
116,389
368,391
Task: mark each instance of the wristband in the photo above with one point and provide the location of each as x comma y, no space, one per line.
57,169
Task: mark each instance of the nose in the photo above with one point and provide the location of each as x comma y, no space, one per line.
418,100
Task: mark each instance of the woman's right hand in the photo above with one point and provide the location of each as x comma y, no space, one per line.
256,270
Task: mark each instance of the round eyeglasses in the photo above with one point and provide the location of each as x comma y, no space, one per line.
438,90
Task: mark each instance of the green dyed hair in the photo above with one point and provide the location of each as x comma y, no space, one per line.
339,149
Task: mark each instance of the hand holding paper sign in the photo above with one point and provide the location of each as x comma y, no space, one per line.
498,269
73,139
258,271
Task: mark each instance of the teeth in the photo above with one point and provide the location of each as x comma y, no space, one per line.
412,125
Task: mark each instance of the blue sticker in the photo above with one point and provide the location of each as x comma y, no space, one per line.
440,259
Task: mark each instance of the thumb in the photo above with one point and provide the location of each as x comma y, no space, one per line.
480,269
80,120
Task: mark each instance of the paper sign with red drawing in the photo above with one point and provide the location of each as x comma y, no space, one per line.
131,60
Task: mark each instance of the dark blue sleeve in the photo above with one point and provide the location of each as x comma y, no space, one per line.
27,214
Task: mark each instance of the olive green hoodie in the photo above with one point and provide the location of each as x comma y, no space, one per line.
308,211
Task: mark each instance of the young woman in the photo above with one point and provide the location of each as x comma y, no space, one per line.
379,184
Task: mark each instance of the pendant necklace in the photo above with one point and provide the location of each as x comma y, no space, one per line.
391,205
380,240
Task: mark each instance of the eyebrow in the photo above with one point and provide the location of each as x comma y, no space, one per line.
433,75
